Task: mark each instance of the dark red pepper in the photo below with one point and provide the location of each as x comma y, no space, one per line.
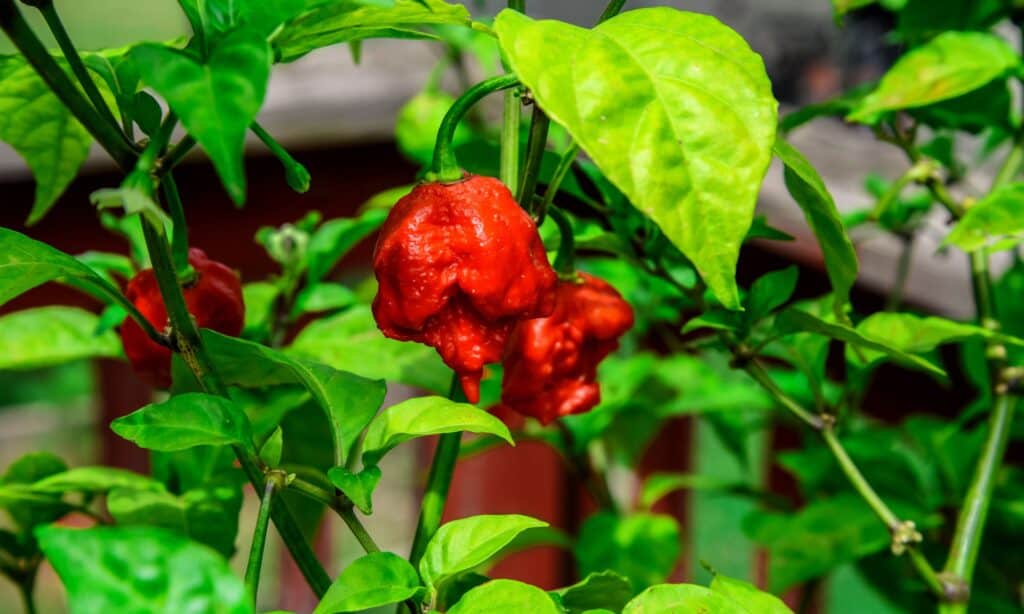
551,363
458,265
214,298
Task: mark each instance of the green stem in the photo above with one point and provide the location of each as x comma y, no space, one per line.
1012,164
295,173
857,479
176,154
75,61
108,136
25,590
188,344
179,236
517,5
582,465
611,10
564,264
445,165
756,371
259,539
892,302
439,481
362,536
535,148
564,164
511,116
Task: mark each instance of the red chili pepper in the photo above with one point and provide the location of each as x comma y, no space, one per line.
551,363
458,265
214,298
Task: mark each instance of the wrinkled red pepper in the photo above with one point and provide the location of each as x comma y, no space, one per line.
214,298
458,265
551,363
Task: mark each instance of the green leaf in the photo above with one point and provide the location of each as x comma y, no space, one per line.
659,485
502,596
916,334
216,100
259,300
324,296
425,416
141,570
810,193
605,589
108,266
678,114
42,130
94,480
358,487
771,291
642,547
462,545
28,508
185,421
342,21
26,263
418,122
996,221
371,581
817,539
334,238
748,596
795,321
270,451
351,341
54,335
349,402
675,598
208,515
950,65
925,18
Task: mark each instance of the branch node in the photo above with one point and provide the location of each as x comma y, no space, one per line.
954,588
904,536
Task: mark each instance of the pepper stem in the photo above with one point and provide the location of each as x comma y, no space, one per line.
445,167
564,264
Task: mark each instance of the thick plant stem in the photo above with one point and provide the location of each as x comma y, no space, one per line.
75,62
188,344
108,136
535,147
179,238
511,116
259,538
438,482
963,554
445,165
612,10
358,530
25,590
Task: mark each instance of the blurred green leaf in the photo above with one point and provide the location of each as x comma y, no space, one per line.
604,589
425,416
371,581
418,122
642,547
950,65
676,598
94,480
747,595
332,240
32,509
141,570
769,292
53,335
995,222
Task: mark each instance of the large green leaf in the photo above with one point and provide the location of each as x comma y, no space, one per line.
796,321
53,335
349,401
950,65
642,547
141,570
351,341
462,545
208,515
916,334
377,579
185,421
26,263
424,416
501,596
41,129
808,190
216,100
996,221
676,598
747,595
674,107
94,480
604,589
342,21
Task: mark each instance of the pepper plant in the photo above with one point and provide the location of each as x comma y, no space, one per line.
577,270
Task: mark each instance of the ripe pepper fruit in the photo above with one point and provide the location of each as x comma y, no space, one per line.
551,363
457,266
214,298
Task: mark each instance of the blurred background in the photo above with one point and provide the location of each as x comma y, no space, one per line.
338,117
